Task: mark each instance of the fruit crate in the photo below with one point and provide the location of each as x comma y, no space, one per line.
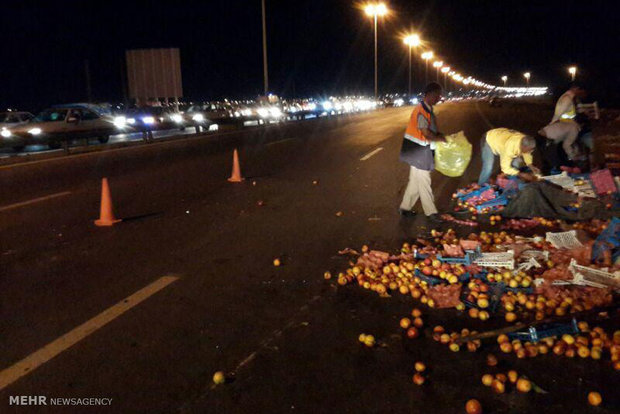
430,280
470,256
498,201
465,196
603,182
465,277
535,334
594,277
501,259
564,240
609,239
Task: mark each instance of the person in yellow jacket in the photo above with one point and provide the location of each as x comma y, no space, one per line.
418,151
510,147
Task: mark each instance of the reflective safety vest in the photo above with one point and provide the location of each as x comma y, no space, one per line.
413,133
569,115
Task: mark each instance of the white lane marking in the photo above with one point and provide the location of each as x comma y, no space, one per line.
281,141
370,154
34,200
51,350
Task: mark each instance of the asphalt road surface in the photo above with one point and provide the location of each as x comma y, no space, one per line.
146,311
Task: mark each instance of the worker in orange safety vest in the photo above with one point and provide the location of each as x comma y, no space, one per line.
418,151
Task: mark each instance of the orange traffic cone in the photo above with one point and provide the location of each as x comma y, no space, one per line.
236,177
106,215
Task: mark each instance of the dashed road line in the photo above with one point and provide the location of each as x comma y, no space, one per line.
370,154
54,348
34,200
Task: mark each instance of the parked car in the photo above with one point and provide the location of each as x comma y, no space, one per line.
64,123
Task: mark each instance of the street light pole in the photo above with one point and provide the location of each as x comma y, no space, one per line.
527,75
376,10
409,95
376,77
504,79
426,56
411,41
265,73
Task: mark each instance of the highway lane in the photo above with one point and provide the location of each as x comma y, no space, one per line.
290,336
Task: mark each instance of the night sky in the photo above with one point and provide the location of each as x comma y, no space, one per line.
316,47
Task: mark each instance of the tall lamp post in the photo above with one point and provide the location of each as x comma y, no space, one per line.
504,79
437,65
445,71
411,41
265,74
573,71
375,10
426,56
527,76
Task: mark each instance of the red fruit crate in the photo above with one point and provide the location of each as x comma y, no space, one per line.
603,182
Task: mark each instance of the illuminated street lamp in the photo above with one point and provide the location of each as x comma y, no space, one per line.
412,41
573,71
445,71
527,76
504,79
375,10
426,56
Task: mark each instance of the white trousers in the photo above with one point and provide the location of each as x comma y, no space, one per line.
419,186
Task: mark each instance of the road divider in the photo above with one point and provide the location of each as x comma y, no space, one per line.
33,201
370,154
54,348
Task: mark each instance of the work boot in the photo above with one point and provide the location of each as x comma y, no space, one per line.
406,213
434,218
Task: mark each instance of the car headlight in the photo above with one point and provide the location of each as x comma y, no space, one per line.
120,121
275,112
262,112
148,120
327,105
131,121
34,131
5,133
177,118
246,112
214,127
198,118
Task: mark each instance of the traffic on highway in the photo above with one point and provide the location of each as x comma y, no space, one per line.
78,123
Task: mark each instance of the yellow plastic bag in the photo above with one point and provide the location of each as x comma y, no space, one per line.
453,156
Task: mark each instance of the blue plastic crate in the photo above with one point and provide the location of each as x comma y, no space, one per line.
465,196
609,239
535,334
498,201
470,256
432,281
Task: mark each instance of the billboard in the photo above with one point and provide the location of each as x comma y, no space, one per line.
154,73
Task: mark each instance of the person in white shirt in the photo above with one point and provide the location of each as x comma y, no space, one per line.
566,106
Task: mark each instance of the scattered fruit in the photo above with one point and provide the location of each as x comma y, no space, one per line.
473,407
594,398
219,378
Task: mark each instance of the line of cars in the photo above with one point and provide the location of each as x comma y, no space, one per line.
83,121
